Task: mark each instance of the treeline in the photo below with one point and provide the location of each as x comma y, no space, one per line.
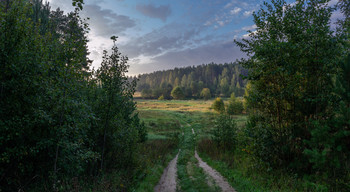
59,121
220,79
298,101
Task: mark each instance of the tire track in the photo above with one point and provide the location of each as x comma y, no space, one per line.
168,180
218,178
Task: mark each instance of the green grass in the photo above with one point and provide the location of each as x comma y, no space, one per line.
190,176
154,156
160,124
175,105
241,172
167,120
234,177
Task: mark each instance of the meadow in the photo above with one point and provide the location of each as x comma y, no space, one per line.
163,118
172,120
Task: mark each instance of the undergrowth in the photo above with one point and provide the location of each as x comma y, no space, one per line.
243,174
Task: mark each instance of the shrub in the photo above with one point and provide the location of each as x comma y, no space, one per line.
161,97
177,93
224,134
218,105
235,106
205,94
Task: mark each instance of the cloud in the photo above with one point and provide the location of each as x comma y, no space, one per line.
333,2
221,23
65,5
246,28
171,45
170,37
161,12
228,5
218,52
248,13
207,23
105,22
235,11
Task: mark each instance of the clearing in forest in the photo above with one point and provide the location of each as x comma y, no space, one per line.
189,121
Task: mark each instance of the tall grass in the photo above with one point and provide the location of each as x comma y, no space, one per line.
154,156
244,173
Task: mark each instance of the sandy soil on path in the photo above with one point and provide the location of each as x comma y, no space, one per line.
219,180
168,180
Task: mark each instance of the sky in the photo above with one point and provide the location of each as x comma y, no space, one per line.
164,34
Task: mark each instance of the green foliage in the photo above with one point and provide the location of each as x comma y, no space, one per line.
218,105
344,5
114,111
78,4
224,87
154,157
161,97
59,120
247,89
291,85
260,140
205,94
177,93
224,133
293,61
146,93
220,79
166,90
235,106
327,149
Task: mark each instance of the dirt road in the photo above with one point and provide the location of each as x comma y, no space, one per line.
168,180
218,178
167,183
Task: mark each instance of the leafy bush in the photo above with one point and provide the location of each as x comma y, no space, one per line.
235,106
161,97
205,94
260,140
224,133
177,93
218,105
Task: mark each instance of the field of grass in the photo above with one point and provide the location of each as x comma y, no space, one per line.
163,118
241,172
173,121
175,105
168,120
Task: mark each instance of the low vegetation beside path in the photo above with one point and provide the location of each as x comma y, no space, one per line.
236,164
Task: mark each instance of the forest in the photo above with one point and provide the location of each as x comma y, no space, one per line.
220,79
299,70
59,120
67,127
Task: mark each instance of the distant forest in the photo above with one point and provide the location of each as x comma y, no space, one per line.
220,79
